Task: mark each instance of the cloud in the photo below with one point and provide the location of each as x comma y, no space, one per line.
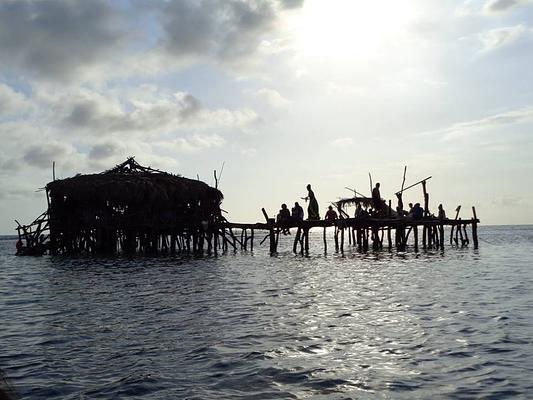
191,144
501,37
272,98
221,29
489,7
105,150
249,152
42,155
104,114
342,142
514,117
511,201
11,101
57,39
289,4
499,6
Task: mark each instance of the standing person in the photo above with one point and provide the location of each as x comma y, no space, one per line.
376,198
297,212
312,208
331,214
442,213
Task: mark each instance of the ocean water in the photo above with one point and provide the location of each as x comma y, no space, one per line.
381,325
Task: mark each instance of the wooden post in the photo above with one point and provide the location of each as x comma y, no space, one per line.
325,242
306,233
389,237
296,240
252,240
441,231
272,241
467,241
474,228
415,236
375,238
426,199
457,210
336,237
342,239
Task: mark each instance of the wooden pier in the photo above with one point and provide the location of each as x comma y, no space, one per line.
135,209
364,234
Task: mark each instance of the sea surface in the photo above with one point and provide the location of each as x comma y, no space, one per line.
382,325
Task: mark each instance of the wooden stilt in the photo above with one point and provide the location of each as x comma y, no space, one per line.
296,240
415,237
474,228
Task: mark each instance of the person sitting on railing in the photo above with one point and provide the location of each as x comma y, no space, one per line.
284,218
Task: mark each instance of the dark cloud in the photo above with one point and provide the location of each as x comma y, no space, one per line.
63,39
495,6
57,38
43,155
288,4
96,114
224,29
105,150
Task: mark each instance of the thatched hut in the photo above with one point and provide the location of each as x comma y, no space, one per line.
128,207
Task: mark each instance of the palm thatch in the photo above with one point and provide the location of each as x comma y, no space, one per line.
141,188
364,201
132,195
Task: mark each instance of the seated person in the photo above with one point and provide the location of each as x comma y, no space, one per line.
417,211
297,212
360,212
331,214
284,217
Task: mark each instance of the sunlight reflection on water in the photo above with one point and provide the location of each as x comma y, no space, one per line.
240,325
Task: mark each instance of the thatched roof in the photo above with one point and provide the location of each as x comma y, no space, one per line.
130,183
365,201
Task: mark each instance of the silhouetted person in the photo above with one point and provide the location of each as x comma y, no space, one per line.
442,213
297,212
418,212
331,214
312,208
284,214
360,212
284,218
376,198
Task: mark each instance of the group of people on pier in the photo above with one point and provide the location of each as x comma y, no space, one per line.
297,212
379,208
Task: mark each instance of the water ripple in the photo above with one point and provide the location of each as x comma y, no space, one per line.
244,326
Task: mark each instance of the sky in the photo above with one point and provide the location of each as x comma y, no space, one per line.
273,94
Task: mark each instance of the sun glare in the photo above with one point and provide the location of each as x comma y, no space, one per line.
348,29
